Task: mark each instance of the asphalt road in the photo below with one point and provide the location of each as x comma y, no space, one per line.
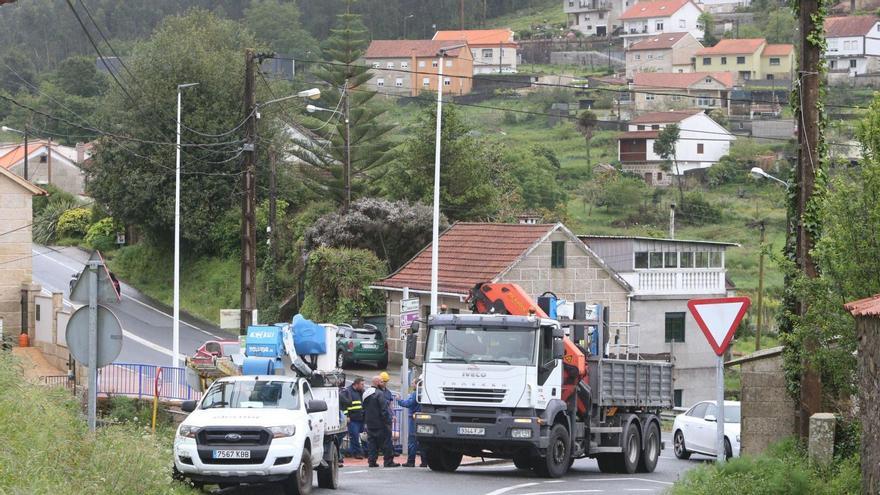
146,324
499,479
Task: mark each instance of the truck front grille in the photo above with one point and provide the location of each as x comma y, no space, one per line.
233,436
481,395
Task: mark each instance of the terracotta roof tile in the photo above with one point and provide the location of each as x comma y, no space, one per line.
869,306
409,48
734,47
679,80
469,253
855,25
659,42
777,50
664,117
655,8
478,37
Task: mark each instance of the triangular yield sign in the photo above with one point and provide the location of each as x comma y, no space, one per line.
718,318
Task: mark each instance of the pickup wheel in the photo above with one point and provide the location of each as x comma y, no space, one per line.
558,457
678,446
300,481
442,460
328,476
651,452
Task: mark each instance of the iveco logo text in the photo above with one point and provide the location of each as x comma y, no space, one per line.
473,374
232,437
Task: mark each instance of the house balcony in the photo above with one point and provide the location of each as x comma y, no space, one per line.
583,6
677,282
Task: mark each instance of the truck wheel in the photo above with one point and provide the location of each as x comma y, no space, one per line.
651,452
632,449
328,477
522,460
300,481
442,460
678,446
556,462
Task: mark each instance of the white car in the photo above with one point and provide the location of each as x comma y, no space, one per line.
694,432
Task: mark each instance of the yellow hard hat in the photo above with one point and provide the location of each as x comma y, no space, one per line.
384,376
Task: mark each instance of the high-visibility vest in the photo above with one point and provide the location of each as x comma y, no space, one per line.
355,406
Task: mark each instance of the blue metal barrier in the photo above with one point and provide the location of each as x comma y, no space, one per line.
139,381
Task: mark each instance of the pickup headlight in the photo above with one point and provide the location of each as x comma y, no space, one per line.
187,431
282,431
521,433
425,429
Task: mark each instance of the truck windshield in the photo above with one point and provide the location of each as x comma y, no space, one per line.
252,394
499,345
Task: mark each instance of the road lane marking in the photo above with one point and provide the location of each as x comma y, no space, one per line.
354,472
629,479
511,488
564,491
639,490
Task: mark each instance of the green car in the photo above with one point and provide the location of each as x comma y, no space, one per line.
356,345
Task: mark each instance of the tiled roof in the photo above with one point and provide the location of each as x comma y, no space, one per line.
478,37
655,8
469,253
869,306
854,25
664,117
679,80
410,48
16,154
660,42
777,50
734,47
638,135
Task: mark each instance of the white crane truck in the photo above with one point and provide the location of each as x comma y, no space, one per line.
507,383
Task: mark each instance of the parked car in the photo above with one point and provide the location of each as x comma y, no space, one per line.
212,350
357,345
695,431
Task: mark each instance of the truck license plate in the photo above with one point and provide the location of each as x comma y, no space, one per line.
232,454
467,430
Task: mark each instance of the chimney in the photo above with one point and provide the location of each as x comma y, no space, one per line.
80,153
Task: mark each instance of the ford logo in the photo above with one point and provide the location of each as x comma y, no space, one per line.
232,437
474,374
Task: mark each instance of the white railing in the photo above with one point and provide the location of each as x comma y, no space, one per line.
659,282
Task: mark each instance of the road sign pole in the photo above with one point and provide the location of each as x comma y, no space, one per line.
404,385
93,344
719,416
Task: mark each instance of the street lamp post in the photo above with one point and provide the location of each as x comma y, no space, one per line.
404,24
25,134
175,351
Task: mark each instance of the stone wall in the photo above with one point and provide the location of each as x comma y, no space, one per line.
869,400
15,252
768,413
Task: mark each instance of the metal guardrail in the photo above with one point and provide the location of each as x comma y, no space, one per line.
57,381
139,380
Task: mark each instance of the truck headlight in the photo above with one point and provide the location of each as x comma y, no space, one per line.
521,433
187,431
425,429
282,431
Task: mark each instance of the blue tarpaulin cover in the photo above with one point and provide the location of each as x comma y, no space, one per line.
308,336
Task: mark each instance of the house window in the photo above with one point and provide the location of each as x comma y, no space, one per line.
659,26
448,63
659,176
674,327
390,65
723,60
421,63
707,60
682,23
380,82
670,260
676,398
740,60
426,82
37,312
704,101
852,64
638,57
641,259
769,77
376,65
774,61
404,65
702,260
640,128
676,97
660,57
655,260
687,259
649,97
699,148
650,56
434,63
43,159
834,64
447,81
557,254
601,15
398,82
655,127
716,260
487,53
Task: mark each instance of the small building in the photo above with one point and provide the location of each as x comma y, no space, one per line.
49,163
493,50
408,67
538,257
16,218
853,44
595,17
723,6
749,59
654,91
664,274
651,18
702,142
672,52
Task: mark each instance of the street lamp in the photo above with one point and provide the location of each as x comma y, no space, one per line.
404,24
309,94
759,173
176,312
25,134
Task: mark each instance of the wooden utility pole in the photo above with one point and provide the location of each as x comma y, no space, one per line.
758,328
249,197
807,117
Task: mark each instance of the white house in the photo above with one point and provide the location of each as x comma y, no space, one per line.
670,53
701,143
493,50
595,17
650,18
853,44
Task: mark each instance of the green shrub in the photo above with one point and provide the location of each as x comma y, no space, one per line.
697,210
46,222
102,235
74,223
53,194
337,284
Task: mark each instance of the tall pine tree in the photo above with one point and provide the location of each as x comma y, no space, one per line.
325,167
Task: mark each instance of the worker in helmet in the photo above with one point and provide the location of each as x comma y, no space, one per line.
384,378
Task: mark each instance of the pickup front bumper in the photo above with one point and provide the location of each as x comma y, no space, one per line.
498,432
274,462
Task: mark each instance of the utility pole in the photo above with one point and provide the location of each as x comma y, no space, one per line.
805,177
272,204
248,201
25,152
347,172
461,13
500,55
672,220
758,328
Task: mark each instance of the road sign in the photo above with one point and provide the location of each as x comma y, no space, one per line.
109,336
79,292
718,318
409,312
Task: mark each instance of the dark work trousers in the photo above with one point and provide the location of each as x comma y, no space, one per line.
380,439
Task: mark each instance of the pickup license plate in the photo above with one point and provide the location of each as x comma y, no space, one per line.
468,430
232,454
